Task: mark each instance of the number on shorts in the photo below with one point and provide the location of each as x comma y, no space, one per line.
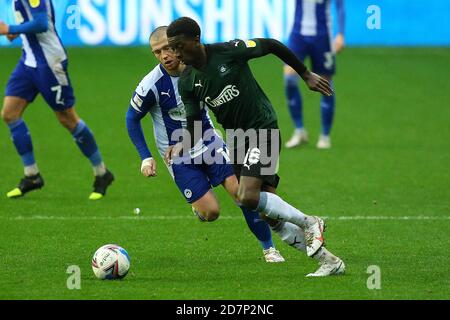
58,90
329,61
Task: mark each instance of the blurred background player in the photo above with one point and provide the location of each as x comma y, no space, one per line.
311,36
158,95
43,69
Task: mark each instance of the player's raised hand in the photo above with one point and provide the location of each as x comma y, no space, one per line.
148,167
317,83
4,28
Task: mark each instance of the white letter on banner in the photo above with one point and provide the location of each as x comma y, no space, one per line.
267,14
129,15
154,14
184,9
213,14
243,21
289,13
374,21
89,12
74,17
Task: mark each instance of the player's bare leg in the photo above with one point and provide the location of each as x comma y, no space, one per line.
300,135
12,111
86,142
68,118
271,254
207,207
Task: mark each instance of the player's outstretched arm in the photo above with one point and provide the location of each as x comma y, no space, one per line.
37,25
339,41
4,31
148,164
313,81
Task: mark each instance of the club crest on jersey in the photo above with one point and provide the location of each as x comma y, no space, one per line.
228,93
188,193
34,3
223,68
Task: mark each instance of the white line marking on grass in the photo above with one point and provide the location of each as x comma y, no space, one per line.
188,217
390,218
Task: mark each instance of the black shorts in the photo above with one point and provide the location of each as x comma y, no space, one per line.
259,159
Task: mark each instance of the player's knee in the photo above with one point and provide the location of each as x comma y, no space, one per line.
212,215
67,119
9,117
209,212
209,215
248,198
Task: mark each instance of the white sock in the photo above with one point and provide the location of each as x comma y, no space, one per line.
291,234
295,237
323,255
31,170
299,130
276,208
100,170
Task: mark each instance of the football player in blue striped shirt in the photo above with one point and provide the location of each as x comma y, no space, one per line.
42,69
312,37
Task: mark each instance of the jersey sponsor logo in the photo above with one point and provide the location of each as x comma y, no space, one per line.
252,157
228,93
250,44
34,3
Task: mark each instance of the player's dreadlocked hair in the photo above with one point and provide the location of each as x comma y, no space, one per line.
184,26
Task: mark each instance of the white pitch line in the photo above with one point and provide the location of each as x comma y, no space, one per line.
188,217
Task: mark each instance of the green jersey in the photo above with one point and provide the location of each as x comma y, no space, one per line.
227,87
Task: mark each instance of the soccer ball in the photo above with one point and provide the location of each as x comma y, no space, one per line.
111,262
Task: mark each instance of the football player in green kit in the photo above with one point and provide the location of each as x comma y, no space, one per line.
218,77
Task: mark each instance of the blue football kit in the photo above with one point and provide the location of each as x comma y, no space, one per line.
312,37
42,69
43,65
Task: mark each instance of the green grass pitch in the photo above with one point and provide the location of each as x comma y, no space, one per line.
390,159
